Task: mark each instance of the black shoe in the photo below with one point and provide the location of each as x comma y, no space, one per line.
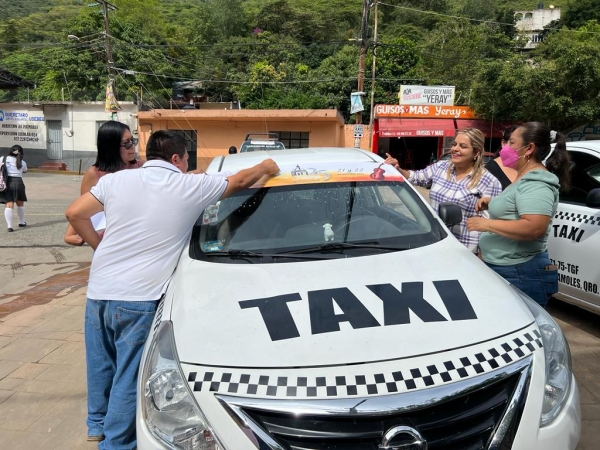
21,225
10,230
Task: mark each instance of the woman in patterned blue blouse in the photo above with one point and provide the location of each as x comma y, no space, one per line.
461,180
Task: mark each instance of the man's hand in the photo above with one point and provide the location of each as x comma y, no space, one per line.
270,167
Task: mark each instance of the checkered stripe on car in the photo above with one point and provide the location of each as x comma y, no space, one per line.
577,218
323,385
159,311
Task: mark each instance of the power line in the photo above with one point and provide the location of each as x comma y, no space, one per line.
216,45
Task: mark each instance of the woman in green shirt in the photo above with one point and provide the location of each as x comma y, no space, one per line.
514,238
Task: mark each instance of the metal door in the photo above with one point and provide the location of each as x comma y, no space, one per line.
54,139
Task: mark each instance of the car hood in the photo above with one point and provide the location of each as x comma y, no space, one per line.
341,311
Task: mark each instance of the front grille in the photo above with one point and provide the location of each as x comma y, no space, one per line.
462,420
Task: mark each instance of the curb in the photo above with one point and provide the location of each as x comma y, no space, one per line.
59,172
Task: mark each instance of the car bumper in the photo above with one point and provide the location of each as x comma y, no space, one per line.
562,434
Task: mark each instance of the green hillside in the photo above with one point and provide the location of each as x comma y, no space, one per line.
305,53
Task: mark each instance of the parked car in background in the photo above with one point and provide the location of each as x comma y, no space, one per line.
574,241
329,307
261,141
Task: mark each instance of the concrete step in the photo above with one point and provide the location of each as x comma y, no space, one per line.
49,165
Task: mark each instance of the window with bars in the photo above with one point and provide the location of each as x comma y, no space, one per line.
294,139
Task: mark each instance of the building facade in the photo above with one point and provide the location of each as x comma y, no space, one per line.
531,23
211,132
58,132
419,134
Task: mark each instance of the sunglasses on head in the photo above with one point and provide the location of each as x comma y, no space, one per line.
130,143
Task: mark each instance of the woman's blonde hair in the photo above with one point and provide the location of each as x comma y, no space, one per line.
477,139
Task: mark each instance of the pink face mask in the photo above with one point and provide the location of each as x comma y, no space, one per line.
510,156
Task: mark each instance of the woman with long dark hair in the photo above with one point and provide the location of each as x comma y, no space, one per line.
15,188
116,151
515,236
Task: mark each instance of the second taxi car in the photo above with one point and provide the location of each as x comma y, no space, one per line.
574,241
329,307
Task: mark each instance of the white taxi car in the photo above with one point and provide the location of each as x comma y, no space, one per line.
574,241
329,307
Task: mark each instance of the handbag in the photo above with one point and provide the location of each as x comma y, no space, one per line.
3,175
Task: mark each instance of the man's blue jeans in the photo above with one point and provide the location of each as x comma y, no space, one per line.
115,334
533,277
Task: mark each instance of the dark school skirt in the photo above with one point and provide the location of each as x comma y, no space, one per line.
14,192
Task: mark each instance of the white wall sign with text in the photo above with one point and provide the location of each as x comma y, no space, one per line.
22,127
426,95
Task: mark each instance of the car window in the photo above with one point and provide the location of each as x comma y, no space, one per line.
584,177
594,173
285,218
251,146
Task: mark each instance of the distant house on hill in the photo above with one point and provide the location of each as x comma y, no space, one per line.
531,23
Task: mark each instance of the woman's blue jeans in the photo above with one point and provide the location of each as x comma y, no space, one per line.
536,277
115,334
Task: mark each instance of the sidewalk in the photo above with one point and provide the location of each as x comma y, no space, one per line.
42,358
42,375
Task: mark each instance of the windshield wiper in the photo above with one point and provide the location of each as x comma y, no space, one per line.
237,253
347,245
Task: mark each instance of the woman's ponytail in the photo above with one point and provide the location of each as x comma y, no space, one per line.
17,152
559,162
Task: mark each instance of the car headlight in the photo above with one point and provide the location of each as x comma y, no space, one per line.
558,362
169,409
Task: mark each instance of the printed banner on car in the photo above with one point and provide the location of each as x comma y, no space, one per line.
327,173
22,127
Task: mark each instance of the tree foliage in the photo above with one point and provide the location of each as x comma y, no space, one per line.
305,53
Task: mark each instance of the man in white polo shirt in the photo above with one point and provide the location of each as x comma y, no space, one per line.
149,218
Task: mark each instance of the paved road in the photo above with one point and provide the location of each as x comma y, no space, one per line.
42,360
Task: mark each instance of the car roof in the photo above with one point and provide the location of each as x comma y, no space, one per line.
311,155
590,145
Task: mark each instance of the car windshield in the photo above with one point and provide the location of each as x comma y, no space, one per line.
314,221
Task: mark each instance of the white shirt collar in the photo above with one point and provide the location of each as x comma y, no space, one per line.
162,164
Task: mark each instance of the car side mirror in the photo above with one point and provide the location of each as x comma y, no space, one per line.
232,150
593,198
450,213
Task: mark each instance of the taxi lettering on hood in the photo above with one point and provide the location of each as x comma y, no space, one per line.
396,306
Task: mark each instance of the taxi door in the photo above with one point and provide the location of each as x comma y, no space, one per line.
574,240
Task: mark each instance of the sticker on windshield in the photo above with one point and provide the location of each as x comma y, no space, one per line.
211,214
212,246
330,173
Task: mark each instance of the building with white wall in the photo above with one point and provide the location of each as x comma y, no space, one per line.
531,23
58,131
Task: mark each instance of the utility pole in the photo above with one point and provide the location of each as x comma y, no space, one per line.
106,6
111,104
363,52
373,69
